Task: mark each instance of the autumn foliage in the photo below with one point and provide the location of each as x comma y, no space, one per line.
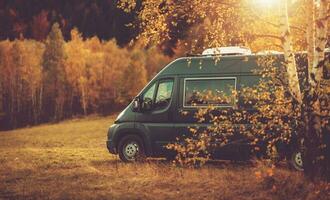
58,79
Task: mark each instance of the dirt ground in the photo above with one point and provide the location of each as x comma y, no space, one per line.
69,160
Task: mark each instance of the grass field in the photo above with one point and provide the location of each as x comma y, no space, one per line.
69,160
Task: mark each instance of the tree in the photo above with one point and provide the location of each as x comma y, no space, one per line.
155,61
134,77
32,77
316,117
6,80
27,56
54,80
95,66
116,62
20,70
76,69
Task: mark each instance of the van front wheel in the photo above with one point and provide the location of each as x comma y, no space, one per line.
130,149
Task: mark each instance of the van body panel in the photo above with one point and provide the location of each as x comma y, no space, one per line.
159,123
201,66
127,115
159,127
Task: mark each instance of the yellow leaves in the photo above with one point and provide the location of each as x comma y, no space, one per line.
126,5
193,130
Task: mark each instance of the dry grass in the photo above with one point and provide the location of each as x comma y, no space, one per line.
70,161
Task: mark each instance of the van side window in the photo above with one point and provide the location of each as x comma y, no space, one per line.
164,93
216,91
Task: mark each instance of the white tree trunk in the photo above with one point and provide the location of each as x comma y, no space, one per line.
288,53
310,35
84,100
320,41
316,45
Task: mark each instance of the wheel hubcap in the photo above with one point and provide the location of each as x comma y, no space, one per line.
298,159
131,150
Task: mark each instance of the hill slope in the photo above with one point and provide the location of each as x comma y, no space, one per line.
69,160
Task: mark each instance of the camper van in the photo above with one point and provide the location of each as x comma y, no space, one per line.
154,118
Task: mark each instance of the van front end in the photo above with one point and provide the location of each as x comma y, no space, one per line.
123,138
110,140
124,123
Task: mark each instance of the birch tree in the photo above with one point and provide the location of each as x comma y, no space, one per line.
316,159
289,55
76,69
316,162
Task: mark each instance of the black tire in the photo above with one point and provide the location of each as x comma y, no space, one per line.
296,160
131,149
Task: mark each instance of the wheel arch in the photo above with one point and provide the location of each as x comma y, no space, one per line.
132,131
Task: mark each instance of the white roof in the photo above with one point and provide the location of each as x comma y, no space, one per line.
233,50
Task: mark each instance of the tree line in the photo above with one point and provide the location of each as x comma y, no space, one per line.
57,79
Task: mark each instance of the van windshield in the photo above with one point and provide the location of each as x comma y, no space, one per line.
164,94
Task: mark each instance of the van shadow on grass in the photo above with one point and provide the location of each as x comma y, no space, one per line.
161,163
117,163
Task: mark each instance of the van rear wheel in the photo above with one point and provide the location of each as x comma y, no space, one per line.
296,160
130,149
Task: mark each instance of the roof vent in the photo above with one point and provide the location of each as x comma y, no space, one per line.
227,51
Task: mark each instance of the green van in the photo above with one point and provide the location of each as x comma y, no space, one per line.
154,118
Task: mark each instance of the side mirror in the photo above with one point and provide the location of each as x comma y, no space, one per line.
136,104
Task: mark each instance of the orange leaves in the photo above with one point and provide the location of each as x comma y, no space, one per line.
90,75
21,79
258,174
263,171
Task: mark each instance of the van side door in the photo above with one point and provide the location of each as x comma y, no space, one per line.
157,122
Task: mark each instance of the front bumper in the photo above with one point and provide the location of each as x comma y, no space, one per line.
111,147
110,143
